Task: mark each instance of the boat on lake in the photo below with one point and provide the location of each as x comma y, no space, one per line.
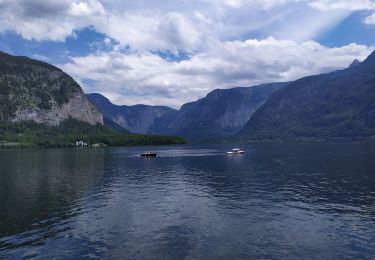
236,151
148,154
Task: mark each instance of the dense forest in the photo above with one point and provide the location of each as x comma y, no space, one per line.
31,134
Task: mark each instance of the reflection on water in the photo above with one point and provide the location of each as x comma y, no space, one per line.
276,201
40,189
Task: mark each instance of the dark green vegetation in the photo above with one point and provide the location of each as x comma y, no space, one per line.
26,83
31,134
340,104
39,90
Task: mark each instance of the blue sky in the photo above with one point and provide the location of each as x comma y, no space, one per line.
165,52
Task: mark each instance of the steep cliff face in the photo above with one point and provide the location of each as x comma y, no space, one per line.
34,90
223,112
77,107
138,119
337,104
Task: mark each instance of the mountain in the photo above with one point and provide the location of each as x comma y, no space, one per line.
223,112
138,119
32,90
337,104
109,123
355,63
41,106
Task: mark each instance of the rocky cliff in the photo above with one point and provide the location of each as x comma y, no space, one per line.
38,91
138,119
338,104
223,112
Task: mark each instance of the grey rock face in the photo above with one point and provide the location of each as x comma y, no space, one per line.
138,119
339,104
38,91
78,107
223,112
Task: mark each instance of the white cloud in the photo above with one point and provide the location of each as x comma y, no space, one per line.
152,31
352,5
53,20
346,5
213,33
89,8
147,78
172,25
370,19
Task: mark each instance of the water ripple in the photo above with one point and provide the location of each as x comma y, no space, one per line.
277,201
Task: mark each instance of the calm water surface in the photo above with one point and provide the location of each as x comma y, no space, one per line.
278,201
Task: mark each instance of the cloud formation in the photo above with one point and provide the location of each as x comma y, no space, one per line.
148,78
348,5
53,20
352,5
213,43
167,24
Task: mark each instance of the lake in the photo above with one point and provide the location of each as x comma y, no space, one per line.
277,201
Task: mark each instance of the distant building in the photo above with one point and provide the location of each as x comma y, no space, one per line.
81,143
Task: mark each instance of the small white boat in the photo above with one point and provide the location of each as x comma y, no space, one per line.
236,151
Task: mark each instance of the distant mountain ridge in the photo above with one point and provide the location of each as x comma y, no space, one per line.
337,104
223,112
354,63
137,119
32,90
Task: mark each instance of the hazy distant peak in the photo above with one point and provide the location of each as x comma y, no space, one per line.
98,97
371,57
355,63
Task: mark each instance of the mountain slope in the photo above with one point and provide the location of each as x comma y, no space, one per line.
223,112
32,90
337,104
138,119
109,123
